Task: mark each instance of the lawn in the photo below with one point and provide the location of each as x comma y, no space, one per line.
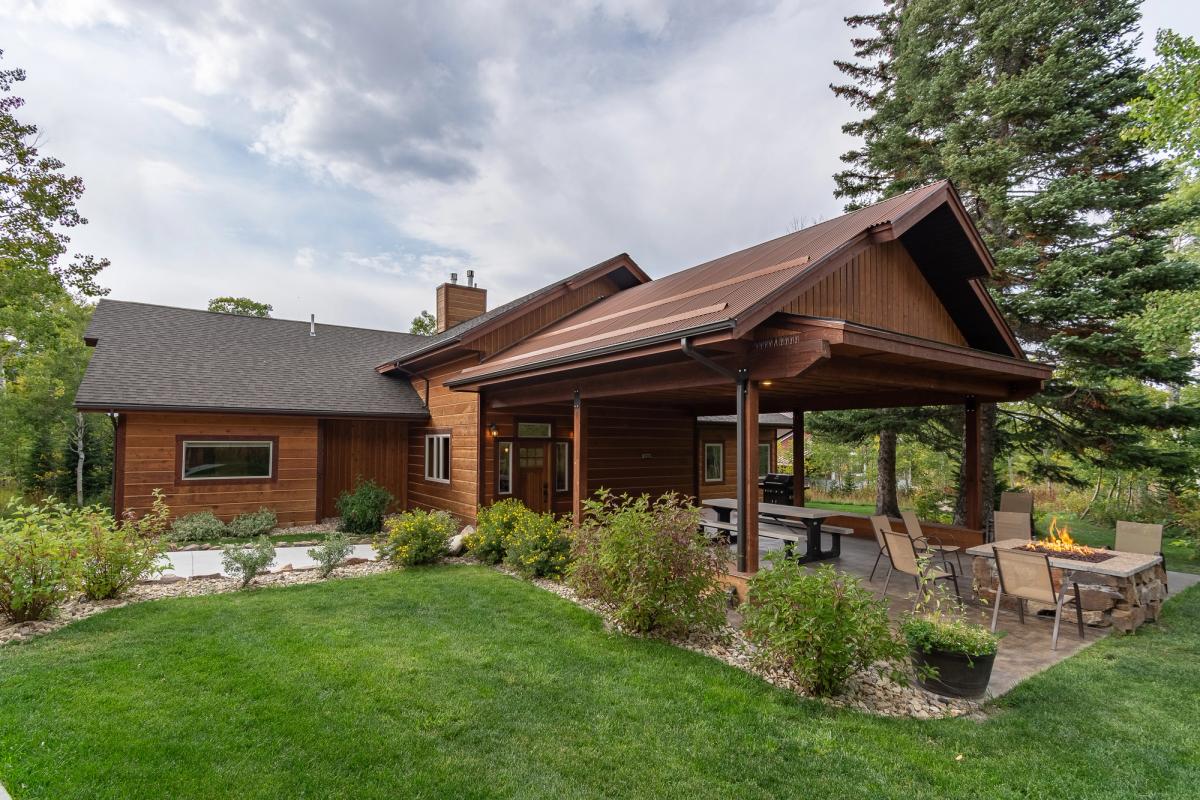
1179,558
461,682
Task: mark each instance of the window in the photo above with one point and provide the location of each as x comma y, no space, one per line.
504,465
437,457
562,466
764,459
714,462
534,430
229,459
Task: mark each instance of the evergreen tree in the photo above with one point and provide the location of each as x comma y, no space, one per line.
1022,106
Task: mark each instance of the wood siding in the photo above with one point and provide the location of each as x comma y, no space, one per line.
506,426
727,435
882,287
456,413
529,323
372,449
149,461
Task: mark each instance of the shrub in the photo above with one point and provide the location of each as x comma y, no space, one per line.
821,626
649,563
116,555
494,525
416,537
253,523
330,552
198,527
39,559
244,561
362,510
936,622
539,546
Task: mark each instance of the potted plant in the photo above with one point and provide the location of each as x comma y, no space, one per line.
951,657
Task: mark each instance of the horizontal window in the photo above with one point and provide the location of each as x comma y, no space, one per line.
227,459
437,457
534,430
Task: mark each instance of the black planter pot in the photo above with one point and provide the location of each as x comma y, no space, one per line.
957,675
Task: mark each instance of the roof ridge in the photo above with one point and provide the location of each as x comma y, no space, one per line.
251,316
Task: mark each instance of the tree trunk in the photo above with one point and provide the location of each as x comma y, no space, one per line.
885,476
80,454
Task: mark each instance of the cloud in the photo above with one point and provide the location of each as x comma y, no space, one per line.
181,112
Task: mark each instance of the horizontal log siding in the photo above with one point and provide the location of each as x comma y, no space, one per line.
727,434
456,413
882,287
149,463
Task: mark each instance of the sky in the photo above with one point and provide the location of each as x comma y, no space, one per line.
342,159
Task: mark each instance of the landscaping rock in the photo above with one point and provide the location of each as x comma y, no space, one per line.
171,578
457,544
353,560
285,568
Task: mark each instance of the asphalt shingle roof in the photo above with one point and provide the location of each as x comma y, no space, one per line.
160,357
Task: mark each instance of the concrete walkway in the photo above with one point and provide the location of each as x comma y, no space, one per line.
185,564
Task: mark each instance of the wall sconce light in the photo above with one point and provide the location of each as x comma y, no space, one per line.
493,429
767,383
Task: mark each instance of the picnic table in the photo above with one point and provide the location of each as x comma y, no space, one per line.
790,518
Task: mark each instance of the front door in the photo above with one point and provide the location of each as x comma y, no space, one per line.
533,475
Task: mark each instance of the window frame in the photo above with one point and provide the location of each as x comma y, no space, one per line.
512,447
704,461
563,443
438,455
763,472
549,423
184,439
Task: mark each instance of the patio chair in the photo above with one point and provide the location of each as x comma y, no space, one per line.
879,524
1025,576
1011,525
904,555
913,526
1019,502
1141,537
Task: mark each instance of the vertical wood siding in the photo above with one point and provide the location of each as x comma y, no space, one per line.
882,287
372,449
149,461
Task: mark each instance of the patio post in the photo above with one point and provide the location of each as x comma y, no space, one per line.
579,459
798,456
973,465
747,472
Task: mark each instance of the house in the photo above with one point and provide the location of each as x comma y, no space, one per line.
605,378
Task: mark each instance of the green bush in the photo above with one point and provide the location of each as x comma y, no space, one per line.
39,559
330,552
116,555
244,561
936,622
253,523
494,525
416,537
199,527
362,510
821,626
649,563
538,546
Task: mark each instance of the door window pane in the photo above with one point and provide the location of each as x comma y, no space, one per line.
562,466
504,468
533,430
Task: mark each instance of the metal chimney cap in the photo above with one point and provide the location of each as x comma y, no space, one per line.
312,324
470,277
454,277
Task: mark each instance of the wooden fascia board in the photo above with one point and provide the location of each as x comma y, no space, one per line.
993,311
947,195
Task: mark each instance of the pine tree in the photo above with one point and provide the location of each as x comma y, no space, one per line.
1022,105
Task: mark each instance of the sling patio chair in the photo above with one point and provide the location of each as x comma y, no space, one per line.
1025,575
913,525
1020,502
905,553
879,524
1141,537
1011,525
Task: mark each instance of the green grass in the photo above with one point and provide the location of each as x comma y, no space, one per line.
1179,559
459,682
849,508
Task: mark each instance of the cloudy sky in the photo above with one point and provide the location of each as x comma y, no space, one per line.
343,158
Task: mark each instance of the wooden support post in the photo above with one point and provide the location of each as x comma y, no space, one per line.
798,456
747,473
579,479
973,466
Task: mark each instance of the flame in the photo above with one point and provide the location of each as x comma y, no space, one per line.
1059,541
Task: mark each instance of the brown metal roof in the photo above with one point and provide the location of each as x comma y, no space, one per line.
711,296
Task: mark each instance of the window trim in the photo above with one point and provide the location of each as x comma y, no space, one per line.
449,456
767,445
512,448
196,438
704,461
518,422
554,466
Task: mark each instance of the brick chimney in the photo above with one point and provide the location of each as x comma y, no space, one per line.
457,303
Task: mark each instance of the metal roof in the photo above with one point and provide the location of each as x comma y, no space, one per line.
160,357
711,296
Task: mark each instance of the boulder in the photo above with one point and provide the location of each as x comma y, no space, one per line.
285,568
457,544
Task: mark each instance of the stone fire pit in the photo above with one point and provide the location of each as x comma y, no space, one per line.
1122,592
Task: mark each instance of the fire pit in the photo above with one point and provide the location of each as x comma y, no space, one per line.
1119,590
1060,545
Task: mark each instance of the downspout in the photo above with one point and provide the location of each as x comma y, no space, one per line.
741,379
